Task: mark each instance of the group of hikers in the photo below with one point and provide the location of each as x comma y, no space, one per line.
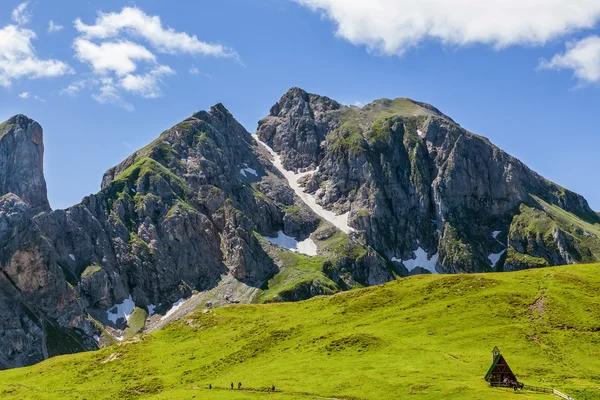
239,386
511,383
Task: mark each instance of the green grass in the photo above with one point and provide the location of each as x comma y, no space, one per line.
90,271
424,337
396,107
298,274
136,322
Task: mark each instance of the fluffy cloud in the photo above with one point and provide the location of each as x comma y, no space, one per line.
583,57
53,27
20,14
137,23
118,57
24,95
146,85
121,49
393,26
109,94
17,54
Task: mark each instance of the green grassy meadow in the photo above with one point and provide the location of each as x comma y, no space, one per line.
424,337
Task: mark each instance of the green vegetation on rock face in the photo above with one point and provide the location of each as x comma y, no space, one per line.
537,225
516,258
346,137
300,278
424,337
339,245
90,271
136,322
400,107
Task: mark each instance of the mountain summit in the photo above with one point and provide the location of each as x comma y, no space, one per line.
325,198
22,161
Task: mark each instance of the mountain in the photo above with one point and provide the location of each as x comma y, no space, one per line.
325,198
421,187
424,337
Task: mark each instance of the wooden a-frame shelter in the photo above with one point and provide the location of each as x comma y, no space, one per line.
499,370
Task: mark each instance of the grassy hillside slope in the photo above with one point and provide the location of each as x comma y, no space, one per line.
424,337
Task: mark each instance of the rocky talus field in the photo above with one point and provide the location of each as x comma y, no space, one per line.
324,198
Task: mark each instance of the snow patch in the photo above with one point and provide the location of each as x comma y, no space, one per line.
72,257
176,306
495,234
307,246
97,338
339,221
151,308
420,260
494,258
123,310
248,170
420,133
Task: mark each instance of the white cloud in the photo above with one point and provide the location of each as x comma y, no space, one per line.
117,57
53,27
146,85
113,48
74,88
27,95
583,57
18,58
196,71
109,94
394,26
135,22
20,15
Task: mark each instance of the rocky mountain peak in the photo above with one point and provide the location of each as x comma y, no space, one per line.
21,161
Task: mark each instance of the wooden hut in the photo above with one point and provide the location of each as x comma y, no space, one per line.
499,370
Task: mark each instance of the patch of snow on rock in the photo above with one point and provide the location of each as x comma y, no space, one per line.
72,257
176,306
97,338
248,170
339,221
151,308
495,234
307,246
420,260
494,258
123,310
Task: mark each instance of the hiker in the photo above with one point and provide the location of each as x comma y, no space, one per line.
273,388
210,386
506,380
239,385
514,385
231,385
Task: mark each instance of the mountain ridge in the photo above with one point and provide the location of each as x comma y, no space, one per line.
198,216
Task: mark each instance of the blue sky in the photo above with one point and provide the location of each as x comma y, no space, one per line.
522,73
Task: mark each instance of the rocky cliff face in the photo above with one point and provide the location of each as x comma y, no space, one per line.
22,160
40,313
186,215
326,198
424,191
